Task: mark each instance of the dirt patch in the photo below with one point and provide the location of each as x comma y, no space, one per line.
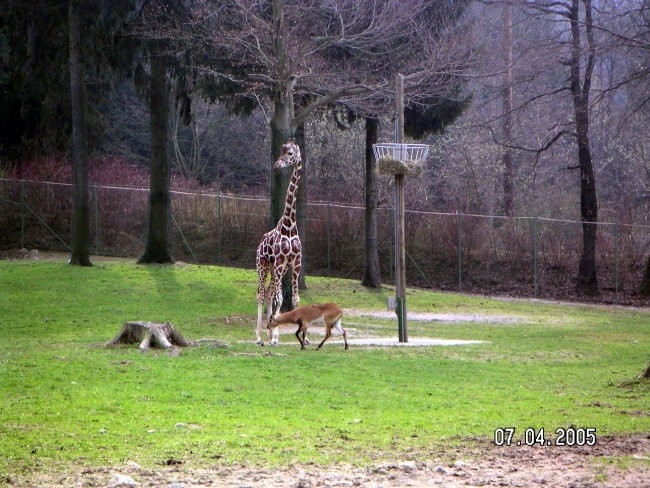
371,341
479,465
21,254
439,317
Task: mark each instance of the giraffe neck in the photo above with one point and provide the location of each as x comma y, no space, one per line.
288,220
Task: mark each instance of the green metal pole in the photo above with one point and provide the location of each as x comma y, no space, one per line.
400,303
400,259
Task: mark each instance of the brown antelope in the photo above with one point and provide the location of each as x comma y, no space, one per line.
327,313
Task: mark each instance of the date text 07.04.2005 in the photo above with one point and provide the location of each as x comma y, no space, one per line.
564,436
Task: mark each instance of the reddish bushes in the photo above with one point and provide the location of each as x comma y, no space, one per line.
490,255
102,170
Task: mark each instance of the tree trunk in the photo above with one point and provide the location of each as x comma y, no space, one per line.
31,108
158,238
301,204
645,282
282,108
587,282
80,228
280,132
645,373
371,274
149,334
508,197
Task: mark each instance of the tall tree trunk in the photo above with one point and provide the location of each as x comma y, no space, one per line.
371,273
281,129
301,203
508,192
645,282
158,238
280,132
80,228
282,114
587,282
31,108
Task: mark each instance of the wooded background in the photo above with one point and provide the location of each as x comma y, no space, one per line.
531,109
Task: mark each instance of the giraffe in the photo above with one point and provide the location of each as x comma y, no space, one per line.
280,248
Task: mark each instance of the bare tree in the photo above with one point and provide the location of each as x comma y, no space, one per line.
371,273
158,237
577,51
581,66
296,57
508,176
155,14
80,233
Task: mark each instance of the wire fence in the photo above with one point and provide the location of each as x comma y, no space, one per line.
520,256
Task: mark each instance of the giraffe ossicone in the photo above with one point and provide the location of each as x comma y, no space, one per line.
280,249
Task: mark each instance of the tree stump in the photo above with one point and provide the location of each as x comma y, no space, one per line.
645,373
149,334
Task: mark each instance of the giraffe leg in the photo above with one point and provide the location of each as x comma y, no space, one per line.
274,337
269,308
295,275
262,272
258,330
275,299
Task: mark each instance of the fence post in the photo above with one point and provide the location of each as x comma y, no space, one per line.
616,263
329,238
459,226
219,229
95,197
535,283
22,214
391,248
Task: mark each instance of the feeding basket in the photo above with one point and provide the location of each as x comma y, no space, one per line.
401,159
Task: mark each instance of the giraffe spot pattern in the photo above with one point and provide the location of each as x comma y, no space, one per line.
296,246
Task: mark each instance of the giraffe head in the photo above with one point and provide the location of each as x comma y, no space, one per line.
290,154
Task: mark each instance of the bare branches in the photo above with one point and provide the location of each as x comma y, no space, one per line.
321,52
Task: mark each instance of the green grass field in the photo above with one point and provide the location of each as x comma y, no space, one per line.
67,401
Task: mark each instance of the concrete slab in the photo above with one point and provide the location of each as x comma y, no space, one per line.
412,342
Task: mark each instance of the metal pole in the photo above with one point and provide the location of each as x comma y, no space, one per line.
400,259
400,251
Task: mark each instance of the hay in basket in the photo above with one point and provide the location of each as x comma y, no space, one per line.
401,159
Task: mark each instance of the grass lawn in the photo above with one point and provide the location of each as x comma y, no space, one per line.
67,401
